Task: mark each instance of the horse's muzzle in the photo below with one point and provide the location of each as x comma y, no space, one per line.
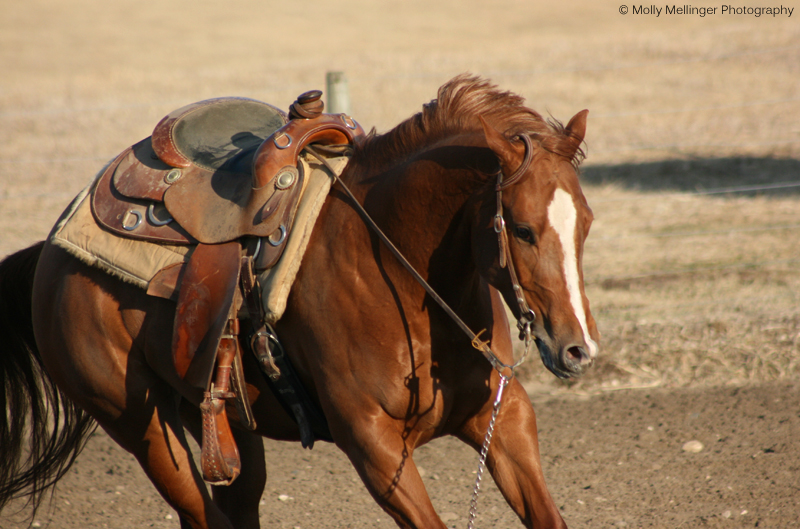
571,361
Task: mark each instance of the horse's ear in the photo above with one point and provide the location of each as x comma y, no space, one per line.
576,131
499,145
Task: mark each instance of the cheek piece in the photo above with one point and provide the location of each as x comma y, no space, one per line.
526,315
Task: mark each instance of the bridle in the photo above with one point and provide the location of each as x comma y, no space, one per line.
526,314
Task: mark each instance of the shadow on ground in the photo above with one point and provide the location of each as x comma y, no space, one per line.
702,175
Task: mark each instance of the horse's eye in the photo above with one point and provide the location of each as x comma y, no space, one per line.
525,233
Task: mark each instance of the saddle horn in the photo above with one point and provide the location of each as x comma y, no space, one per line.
308,125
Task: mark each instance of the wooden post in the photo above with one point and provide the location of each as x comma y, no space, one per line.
338,93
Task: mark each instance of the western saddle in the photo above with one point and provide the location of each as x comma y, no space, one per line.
222,176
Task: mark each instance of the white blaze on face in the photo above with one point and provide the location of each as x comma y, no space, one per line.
563,218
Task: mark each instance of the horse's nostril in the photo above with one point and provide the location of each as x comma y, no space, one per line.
578,355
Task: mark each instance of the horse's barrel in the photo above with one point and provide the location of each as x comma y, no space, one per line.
309,105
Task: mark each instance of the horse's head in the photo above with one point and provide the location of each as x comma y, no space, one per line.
539,221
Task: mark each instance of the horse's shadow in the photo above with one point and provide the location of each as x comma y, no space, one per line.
747,176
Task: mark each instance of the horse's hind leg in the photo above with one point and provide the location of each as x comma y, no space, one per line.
85,340
150,429
514,457
239,501
164,454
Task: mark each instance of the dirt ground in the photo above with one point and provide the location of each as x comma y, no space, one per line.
692,268
613,459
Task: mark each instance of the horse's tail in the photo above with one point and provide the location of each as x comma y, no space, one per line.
41,431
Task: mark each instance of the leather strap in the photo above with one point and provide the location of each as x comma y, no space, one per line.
219,456
275,364
526,315
259,337
526,162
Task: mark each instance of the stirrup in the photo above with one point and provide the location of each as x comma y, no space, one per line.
219,457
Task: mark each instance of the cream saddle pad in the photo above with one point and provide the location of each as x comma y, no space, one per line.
137,262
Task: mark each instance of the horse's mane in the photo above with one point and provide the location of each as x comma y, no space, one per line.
456,110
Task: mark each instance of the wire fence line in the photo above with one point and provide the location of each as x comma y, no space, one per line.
661,306
692,270
604,115
48,112
40,194
663,62
77,159
678,146
607,115
607,67
763,102
701,233
173,102
701,192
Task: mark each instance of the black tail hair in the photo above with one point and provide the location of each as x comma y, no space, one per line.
41,430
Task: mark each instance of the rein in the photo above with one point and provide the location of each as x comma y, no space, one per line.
527,316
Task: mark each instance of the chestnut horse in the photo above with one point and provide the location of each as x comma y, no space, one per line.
387,366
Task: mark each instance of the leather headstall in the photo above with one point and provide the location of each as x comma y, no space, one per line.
526,314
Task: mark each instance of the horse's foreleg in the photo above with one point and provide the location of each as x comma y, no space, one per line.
513,458
239,501
383,460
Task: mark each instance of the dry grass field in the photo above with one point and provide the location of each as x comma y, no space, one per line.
693,173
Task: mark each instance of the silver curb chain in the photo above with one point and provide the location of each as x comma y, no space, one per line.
473,505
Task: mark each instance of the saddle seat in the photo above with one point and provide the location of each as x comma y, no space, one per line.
214,134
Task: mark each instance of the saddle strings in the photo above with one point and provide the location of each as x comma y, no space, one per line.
477,343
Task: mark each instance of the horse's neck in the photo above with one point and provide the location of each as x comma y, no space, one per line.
425,210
